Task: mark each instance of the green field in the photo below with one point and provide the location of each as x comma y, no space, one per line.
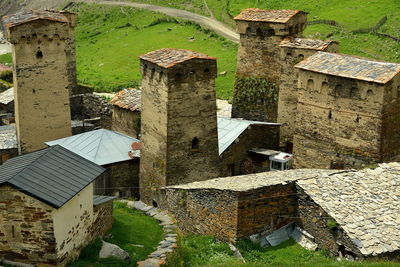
204,251
133,231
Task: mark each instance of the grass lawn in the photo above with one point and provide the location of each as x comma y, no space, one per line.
6,59
110,40
133,231
202,251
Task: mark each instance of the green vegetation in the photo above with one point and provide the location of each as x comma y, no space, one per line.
133,231
254,89
331,224
202,251
110,40
6,59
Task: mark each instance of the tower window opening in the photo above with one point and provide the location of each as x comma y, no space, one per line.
206,70
195,144
330,114
39,54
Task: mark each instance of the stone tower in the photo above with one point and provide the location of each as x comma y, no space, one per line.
259,67
42,55
179,120
347,113
294,50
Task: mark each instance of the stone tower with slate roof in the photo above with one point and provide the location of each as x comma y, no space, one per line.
179,120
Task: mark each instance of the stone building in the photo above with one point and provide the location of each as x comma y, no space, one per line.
8,143
126,112
294,50
7,101
179,120
50,213
259,65
113,151
347,113
42,42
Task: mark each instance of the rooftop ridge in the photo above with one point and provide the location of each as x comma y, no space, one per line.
267,15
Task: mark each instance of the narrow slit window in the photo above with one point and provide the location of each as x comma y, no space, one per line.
195,143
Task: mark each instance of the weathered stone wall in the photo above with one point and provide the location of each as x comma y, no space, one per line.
124,178
288,87
338,123
206,212
6,154
259,57
126,121
90,106
102,219
72,224
41,82
179,125
26,228
237,158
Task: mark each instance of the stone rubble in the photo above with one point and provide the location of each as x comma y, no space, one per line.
157,257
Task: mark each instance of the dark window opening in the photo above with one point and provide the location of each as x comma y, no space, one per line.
195,144
178,76
358,119
271,32
330,114
232,169
315,132
262,101
154,203
310,84
248,30
153,70
206,70
289,54
260,33
301,57
39,54
13,230
289,147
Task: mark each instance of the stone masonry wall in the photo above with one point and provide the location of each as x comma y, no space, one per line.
126,121
206,212
26,228
124,179
256,136
41,82
339,122
102,220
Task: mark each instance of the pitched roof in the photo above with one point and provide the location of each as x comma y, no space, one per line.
230,129
98,200
309,44
365,204
267,15
169,57
7,96
8,137
128,99
350,67
99,146
31,15
53,175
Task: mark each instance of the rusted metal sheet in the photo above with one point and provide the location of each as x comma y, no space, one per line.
310,44
31,15
169,57
350,67
128,99
267,15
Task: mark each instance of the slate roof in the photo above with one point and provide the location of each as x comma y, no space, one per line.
32,15
128,99
230,129
53,175
7,96
99,146
248,182
8,137
169,57
267,15
350,67
98,200
309,44
365,204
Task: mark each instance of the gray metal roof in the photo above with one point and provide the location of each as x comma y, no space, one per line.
230,129
98,200
7,96
8,137
53,175
99,146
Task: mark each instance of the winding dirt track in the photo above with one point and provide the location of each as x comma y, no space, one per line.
209,23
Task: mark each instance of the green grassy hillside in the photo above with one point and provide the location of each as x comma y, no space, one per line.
110,40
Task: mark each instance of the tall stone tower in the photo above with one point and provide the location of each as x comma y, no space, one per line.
42,57
259,67
179,120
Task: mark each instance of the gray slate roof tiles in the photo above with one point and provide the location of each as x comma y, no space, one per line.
8,137
53,175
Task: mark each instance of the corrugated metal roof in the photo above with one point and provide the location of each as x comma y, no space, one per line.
7,96
99,146
128,99
31,15
169,57
98,200
267,15
8,137
53,175
230,129
310,44
350,67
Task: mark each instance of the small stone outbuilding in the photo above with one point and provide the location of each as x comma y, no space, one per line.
7,101
48,212
126,112
8,143
113,151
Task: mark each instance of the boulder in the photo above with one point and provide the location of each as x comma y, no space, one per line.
109,250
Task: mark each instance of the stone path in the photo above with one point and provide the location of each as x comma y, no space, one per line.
157,257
